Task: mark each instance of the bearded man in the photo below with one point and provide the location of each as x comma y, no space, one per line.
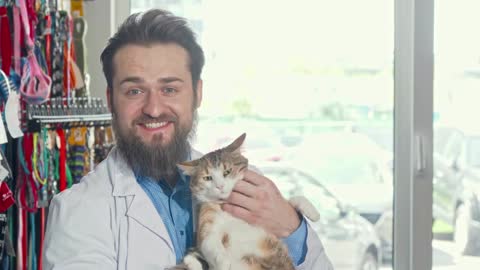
134,211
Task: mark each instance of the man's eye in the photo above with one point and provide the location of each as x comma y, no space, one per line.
208,178
133,92
169,90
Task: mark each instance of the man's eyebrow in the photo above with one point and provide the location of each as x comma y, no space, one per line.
132,79
169,79
135,79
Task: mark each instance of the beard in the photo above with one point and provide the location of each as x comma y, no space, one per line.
153,160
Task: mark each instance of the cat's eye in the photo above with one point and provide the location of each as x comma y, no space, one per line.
208,178
227,172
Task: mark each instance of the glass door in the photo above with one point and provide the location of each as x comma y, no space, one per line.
456,178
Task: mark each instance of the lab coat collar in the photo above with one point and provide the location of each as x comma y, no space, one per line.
121,175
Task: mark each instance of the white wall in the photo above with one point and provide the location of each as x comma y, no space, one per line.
103,17
100,25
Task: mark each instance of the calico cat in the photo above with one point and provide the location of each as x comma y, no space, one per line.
225,242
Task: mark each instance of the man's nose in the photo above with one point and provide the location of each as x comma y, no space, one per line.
154,105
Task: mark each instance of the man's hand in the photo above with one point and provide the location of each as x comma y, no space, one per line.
257,200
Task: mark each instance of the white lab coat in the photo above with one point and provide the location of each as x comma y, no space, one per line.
108,222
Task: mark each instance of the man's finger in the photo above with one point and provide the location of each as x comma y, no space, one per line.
241,200
254,178
239,212
246,188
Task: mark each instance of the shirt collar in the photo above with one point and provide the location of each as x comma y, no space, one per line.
184,179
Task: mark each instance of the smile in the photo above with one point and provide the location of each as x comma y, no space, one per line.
155,125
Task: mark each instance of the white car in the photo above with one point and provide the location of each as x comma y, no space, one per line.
350,240
357,170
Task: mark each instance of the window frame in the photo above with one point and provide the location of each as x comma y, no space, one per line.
413,134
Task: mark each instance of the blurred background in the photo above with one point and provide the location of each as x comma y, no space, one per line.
312,85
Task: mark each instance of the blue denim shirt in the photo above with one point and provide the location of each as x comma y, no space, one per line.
175,208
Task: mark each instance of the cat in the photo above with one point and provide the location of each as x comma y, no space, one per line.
225,242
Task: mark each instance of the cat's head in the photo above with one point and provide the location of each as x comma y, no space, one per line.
213,176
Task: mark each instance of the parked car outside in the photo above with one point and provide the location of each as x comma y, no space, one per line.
457,184
357,170
456,180
350,241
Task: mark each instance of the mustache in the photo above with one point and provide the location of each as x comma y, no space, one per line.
145,119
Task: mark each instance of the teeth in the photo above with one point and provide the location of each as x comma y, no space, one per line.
155,125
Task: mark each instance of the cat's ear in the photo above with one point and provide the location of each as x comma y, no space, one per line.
235,145
188,167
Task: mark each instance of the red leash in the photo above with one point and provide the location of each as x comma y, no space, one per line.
5,41
62,160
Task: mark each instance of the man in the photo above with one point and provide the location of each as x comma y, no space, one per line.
135,210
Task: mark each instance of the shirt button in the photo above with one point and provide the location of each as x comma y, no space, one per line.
182,232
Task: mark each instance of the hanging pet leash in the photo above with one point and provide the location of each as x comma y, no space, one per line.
62,160
5,41
35,84
38,166
28,190
17,35
56,54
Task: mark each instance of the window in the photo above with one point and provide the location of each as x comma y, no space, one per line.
457,84
323,66
286,73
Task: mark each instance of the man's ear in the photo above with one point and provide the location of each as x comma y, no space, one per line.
199,93
109,99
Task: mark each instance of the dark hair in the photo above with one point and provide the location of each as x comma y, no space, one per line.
154,26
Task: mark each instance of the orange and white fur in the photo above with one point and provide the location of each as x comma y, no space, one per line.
225,242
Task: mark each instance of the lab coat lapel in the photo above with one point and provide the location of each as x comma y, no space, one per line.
139,206
143,211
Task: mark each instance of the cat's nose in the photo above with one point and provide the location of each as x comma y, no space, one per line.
220,186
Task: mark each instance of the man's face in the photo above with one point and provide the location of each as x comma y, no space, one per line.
153,103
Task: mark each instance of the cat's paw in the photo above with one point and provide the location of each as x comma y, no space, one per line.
222,264
192,263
